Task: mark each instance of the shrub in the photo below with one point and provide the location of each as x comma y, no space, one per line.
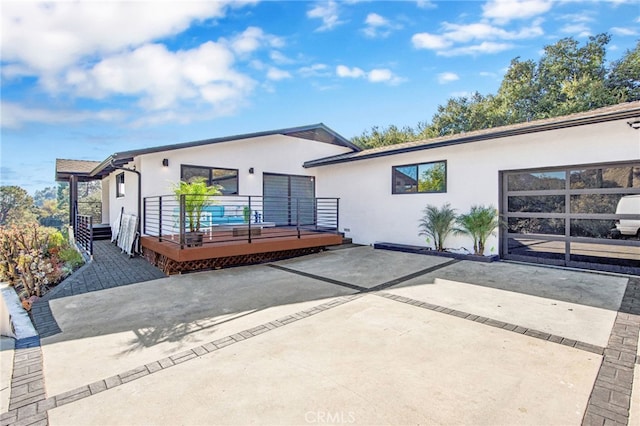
437,223
479,224
29,257
71,257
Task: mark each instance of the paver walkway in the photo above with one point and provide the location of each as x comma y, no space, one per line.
109,268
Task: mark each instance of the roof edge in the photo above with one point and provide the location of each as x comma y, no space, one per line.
462,139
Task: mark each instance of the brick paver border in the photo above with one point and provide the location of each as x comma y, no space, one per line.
610,398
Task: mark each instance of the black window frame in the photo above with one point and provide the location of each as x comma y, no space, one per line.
120,193
394,190
211,180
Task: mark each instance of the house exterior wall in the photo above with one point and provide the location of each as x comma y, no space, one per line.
130,200
267,154
369,212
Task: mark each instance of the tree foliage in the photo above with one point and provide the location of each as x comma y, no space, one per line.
568,78
16,206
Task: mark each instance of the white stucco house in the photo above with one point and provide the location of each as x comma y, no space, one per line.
555,182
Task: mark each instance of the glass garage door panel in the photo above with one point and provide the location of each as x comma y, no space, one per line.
569,215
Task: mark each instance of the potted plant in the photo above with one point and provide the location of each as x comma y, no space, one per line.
437,224
197,195
479,224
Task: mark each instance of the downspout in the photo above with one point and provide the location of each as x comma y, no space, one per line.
138,227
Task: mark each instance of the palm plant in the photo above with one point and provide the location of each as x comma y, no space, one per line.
479,224
437,223
197,196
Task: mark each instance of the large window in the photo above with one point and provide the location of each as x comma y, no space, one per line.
226,178
120,185
420,178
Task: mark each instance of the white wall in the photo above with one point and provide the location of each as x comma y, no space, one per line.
373,213
268,154
130,199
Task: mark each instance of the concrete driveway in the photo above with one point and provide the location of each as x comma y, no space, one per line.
347,336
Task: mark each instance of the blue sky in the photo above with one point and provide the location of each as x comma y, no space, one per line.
86,79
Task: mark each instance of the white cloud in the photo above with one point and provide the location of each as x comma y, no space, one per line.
15,116
346,72
489,36
486,47
447,77
488,74
578,29
315,70
376,75
379,75
327,13
503,11
378,26
430,41
162,78
252,39
280,58
277,74
425,4
48,37
624,31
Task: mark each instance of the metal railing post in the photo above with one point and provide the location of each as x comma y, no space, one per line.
182,220
249,223
337,215
159,218
298,216
91,236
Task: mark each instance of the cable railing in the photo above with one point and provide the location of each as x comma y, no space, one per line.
191,220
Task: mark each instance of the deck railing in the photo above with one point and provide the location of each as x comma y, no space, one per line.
219,219
84,233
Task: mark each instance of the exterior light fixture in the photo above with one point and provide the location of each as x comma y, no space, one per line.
250,170
165,162
635,124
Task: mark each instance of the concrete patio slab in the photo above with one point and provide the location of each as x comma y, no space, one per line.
571,320
113,330
584,288
369,361
362,266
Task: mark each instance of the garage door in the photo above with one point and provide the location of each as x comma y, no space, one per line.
289,198
567,216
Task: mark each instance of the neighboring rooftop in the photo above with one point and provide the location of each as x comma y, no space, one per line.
79,168
629,110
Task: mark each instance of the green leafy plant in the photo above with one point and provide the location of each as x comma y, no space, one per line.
246,211
197,195
480,223
71,257
437,223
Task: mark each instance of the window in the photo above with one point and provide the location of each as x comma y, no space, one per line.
420,178
120,185
226,178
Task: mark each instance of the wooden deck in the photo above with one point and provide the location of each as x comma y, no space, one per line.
223,248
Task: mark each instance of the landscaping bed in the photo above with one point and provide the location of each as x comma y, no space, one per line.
407,248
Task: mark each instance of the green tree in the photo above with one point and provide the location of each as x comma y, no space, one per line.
624,76
519,92
377,137
16,206
571,78
432,178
